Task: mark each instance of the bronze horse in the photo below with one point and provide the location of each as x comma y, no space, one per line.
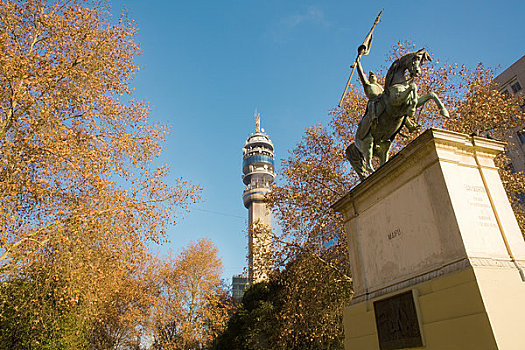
398,102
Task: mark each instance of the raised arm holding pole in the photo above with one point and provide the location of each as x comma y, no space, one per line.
363,49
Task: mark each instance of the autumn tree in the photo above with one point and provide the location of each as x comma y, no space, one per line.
125,319
316,174
194,306
80,198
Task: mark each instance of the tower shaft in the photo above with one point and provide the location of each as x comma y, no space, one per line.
260,241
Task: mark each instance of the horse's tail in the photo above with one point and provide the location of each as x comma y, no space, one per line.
354,156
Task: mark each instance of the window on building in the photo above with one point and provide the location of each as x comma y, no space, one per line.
521,135
515,87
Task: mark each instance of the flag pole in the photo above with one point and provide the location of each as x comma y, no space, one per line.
363,49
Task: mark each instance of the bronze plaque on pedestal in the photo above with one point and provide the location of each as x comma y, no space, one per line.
397,323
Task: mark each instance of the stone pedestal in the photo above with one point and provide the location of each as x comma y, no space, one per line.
437,256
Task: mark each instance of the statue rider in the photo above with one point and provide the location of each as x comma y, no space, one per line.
373,90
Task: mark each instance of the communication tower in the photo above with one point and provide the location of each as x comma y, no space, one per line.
258,169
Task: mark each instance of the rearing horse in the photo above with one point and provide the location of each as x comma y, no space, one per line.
398,102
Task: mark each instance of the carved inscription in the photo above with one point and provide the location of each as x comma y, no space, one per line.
397,323
478,200
394,234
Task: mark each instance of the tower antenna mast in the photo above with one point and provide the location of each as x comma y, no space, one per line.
257,122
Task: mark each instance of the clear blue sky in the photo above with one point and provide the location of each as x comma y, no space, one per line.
209,64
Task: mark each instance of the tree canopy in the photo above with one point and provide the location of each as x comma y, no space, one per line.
80,195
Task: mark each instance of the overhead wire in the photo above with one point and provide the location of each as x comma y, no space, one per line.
219,213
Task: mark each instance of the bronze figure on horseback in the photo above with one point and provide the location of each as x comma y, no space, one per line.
388,109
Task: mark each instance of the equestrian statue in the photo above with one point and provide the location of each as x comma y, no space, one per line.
389,108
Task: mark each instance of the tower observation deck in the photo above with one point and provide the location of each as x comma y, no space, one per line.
258,175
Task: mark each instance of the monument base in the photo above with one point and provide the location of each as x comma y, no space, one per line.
452,313
436,254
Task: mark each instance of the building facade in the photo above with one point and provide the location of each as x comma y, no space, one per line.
512,82
258,174
239,285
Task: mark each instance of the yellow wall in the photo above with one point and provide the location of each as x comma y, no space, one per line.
451,311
